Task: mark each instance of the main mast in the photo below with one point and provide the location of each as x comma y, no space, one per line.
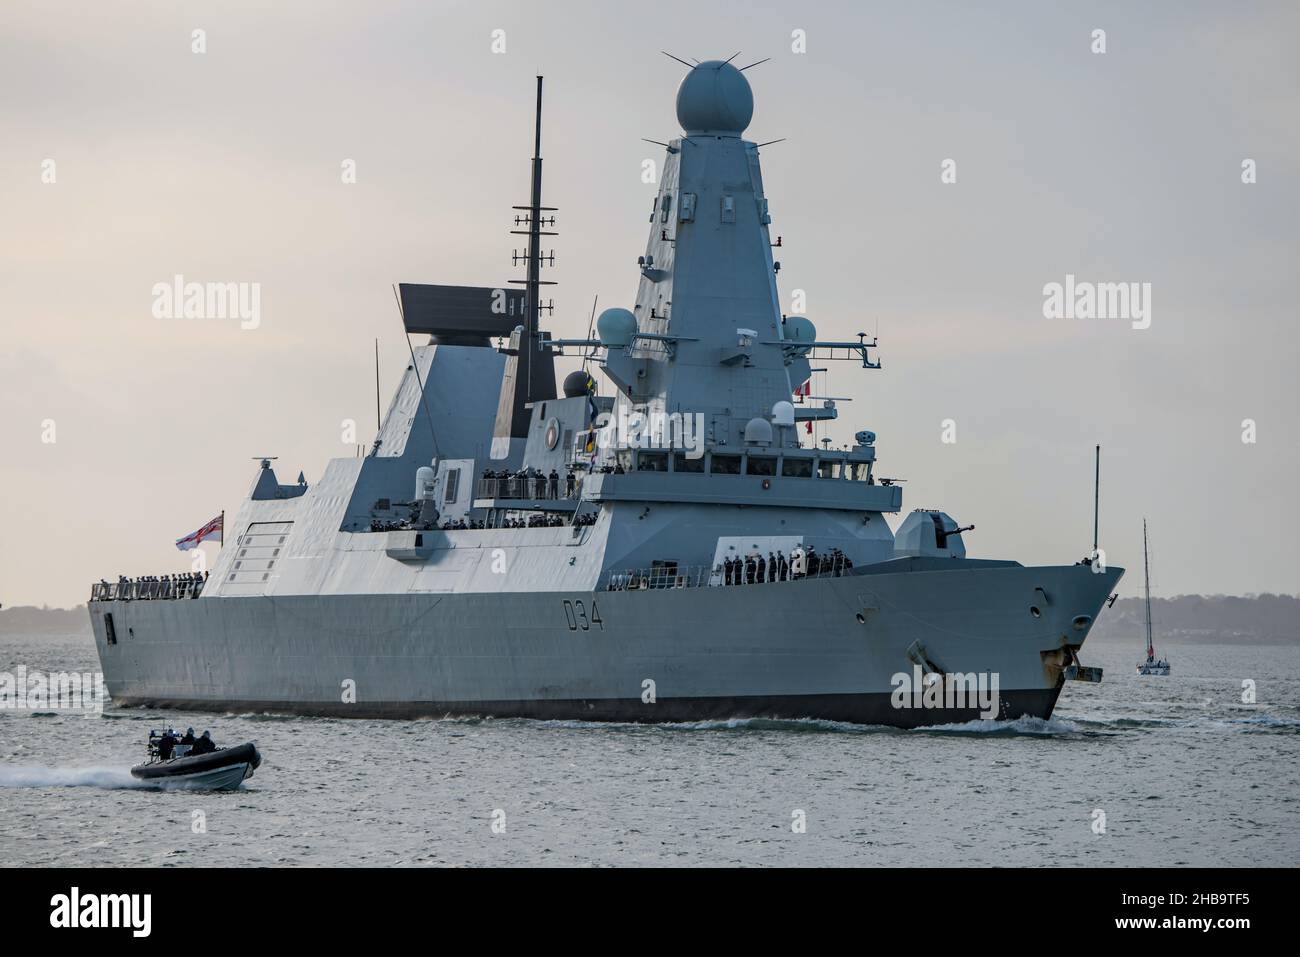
1146,572
530,369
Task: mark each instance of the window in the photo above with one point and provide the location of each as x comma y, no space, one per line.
728,208
110,633
760,465
826,468
726,465
797,468
453,485
652,462
684,463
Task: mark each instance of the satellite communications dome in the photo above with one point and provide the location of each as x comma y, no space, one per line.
714,98
758,431
575,384
616,327
799,329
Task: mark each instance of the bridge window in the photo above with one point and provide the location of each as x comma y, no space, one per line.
797,468
652,462
760,465
684,463
726,465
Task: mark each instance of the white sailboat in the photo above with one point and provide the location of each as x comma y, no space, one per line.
1151,666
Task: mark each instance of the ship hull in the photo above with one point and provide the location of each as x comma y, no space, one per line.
830,649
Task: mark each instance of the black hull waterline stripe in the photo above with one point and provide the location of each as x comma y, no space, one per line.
875,708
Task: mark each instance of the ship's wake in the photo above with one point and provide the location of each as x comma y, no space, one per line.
1016,726
35,776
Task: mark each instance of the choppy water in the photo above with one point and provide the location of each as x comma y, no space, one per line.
1184,772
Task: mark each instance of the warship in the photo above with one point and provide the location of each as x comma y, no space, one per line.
655,539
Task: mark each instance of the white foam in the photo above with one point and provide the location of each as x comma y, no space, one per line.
35,776
1022,725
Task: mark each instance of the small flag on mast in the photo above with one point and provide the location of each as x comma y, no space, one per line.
804,391
209,531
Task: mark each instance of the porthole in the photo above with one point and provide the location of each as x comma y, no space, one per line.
1034,610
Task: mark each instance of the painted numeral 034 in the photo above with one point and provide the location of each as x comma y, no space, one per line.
575,615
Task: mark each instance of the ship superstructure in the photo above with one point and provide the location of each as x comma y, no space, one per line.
652,541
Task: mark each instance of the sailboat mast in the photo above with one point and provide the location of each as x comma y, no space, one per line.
1096,502
1146,572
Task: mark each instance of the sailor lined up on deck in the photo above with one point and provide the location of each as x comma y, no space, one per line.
533,483
803,563
755,569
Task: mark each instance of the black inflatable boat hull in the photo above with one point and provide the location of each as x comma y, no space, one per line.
223,768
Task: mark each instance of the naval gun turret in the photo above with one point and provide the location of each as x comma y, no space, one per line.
927,533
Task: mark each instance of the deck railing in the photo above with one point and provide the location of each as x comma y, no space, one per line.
146,590
667,576
696,576
522,487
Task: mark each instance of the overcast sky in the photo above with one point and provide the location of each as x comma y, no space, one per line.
1122,166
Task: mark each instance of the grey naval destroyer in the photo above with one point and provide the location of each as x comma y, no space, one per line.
511,548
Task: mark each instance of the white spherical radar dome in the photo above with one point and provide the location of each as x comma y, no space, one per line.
714,98
616,327
801,331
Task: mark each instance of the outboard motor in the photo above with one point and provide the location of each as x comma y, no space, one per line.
426,497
